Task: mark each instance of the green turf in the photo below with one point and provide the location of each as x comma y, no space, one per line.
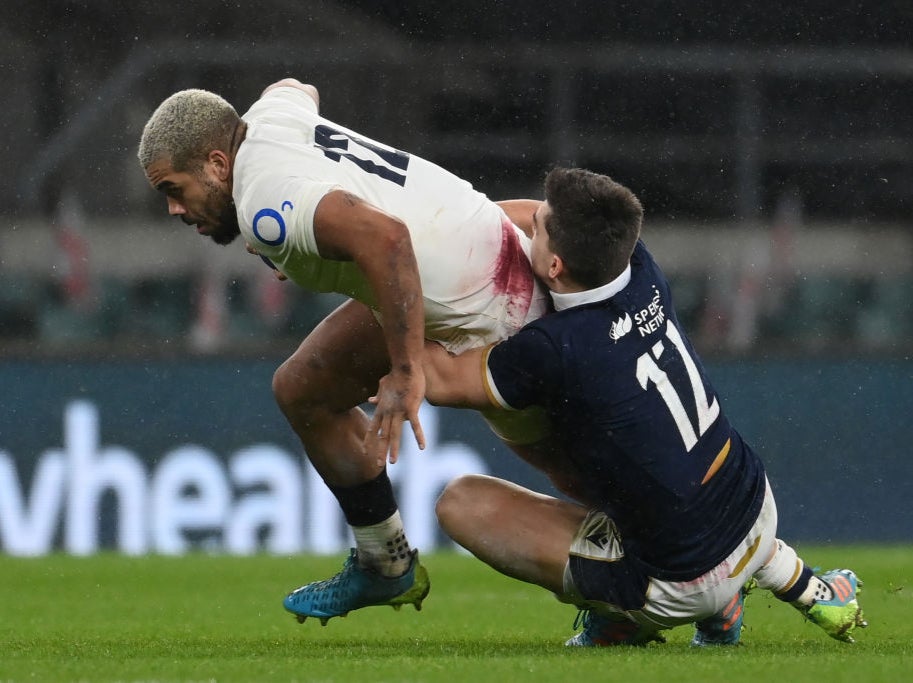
205,618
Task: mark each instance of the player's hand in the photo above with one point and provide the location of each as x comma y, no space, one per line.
398,399
278,273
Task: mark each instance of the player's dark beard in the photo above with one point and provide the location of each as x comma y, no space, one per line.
227,228
228,225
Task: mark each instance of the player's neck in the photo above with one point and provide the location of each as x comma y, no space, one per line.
237,137
571,294
564,285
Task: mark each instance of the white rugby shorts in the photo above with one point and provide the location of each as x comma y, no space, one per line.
667,604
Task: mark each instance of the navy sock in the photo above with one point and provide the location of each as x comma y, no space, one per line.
798,588
369,503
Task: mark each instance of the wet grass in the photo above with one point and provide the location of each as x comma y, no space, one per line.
195,618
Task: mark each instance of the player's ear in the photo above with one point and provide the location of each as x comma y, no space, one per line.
221,164
555,267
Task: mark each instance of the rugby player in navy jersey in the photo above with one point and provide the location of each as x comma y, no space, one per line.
670,512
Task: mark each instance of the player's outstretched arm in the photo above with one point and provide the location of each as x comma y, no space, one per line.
347,228
520,212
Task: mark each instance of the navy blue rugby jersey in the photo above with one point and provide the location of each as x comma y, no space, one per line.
630,400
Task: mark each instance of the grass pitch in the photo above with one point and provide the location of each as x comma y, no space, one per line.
210,618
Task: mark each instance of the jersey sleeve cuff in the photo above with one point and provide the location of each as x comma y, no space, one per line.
491,388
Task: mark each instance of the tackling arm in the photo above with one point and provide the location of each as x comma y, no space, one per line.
520,212
456,381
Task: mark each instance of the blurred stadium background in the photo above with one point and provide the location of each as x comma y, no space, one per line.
771,143
772,147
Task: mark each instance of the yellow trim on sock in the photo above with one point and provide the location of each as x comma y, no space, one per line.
793,579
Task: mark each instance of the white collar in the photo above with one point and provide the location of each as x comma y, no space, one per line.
588,296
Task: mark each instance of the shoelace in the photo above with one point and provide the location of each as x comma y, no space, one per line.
582,620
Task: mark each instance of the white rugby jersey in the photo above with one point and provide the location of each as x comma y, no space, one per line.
474,264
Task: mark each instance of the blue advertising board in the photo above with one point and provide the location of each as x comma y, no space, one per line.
166,456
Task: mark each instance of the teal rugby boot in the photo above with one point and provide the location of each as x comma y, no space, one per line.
355,587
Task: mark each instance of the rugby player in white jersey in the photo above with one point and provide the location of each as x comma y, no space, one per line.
670,512
418,250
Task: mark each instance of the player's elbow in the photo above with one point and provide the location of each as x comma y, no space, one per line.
378,234
294,83
390,245
395,235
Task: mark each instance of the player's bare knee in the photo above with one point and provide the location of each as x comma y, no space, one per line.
290,388
451,499
459,497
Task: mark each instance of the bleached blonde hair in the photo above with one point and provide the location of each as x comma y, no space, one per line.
186,127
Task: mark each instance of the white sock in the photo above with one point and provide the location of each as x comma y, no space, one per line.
817,590
782,571
383,547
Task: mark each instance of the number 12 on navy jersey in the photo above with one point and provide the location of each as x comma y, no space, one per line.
649,371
